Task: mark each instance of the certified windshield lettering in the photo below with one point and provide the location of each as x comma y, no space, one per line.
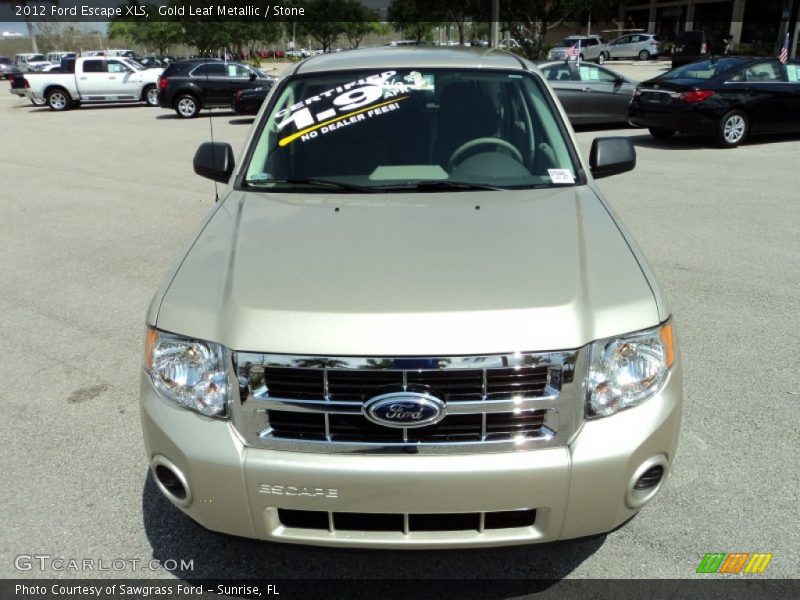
409,128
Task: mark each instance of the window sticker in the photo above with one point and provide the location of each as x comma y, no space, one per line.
348,104
561,175
793,72
589,74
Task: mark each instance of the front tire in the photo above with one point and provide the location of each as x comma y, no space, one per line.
644,55
150,95
58,99
732,129
661,133
602,58
187,106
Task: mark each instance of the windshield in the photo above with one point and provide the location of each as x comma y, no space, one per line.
413,129
36,57
134,64
705,69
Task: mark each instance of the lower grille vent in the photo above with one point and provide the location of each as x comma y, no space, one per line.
396,522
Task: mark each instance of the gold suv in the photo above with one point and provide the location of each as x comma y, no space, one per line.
412,320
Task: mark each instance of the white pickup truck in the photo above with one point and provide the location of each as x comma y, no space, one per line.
94,79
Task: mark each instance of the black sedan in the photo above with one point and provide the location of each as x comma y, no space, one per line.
247,102
589,93
727,98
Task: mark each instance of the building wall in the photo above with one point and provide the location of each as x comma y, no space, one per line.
748,21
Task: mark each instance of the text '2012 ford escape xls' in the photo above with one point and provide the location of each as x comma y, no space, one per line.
412,320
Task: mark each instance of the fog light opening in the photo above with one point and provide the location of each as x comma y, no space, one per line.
650,478
646,481
171,481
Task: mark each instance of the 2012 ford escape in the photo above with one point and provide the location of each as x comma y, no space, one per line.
412,319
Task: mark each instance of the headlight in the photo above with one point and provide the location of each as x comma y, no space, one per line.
628,370
189,373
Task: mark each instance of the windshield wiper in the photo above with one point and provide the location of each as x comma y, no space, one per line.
326,183
443,186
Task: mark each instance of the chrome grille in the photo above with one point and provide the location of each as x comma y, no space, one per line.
492,403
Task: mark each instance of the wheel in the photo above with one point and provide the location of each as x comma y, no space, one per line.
150,95
602,58
644,55
58,99
187,106
732,129
661,133
38,101
480,142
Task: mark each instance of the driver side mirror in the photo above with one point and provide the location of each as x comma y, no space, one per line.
252,76
214,160
611,156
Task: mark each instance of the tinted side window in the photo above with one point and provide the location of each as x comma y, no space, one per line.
766,71
117,67
592,73
94,66
559,72
210,70
235,70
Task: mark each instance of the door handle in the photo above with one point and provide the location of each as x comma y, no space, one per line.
112,77
586,89
83,78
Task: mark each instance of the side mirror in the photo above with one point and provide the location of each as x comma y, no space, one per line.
214,160
252,76
611,156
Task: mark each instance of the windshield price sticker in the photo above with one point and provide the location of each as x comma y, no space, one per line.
561,176
351,102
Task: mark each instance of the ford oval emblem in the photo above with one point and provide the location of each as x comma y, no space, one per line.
404,409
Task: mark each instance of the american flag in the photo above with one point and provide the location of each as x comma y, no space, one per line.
574,51
783,56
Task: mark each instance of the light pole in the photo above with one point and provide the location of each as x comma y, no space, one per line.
494,32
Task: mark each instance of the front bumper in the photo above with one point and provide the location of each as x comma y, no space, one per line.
577,490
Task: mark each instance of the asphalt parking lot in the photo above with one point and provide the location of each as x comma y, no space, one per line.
96,203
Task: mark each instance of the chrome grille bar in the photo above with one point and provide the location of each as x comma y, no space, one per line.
341,407
548,384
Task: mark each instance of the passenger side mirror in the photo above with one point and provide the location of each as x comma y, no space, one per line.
252,76
611,156
214,160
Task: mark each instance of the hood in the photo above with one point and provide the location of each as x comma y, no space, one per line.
409,274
